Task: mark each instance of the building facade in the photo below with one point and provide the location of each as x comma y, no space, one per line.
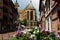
48,15
29,13
55,15
8,16
42,16
1,12
52,18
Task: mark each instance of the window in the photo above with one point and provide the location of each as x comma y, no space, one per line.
5,18
31,15
31,23
35,18
47,4
58,14
35,23
5,10
28,15
48,24
5,2
58,27
28,24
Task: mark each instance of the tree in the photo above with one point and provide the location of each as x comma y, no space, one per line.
24,22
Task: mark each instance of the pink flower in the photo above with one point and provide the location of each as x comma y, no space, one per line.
47,30
56,34
50,31
19,31
39,26
42,29
16,34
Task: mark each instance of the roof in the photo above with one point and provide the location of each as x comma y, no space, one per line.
30,6
20,11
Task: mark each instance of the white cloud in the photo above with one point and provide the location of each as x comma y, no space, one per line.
36,4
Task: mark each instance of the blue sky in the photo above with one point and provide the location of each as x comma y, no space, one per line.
24,3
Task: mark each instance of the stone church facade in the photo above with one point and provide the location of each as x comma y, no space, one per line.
29,13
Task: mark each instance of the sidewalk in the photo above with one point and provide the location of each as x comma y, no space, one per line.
6,36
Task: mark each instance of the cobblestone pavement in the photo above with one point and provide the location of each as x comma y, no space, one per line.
6,36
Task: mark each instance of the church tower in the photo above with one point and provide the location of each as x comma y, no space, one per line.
16,5
30,14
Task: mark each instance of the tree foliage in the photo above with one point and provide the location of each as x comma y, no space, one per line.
24,22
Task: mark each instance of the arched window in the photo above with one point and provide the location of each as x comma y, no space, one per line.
31,15
28,15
